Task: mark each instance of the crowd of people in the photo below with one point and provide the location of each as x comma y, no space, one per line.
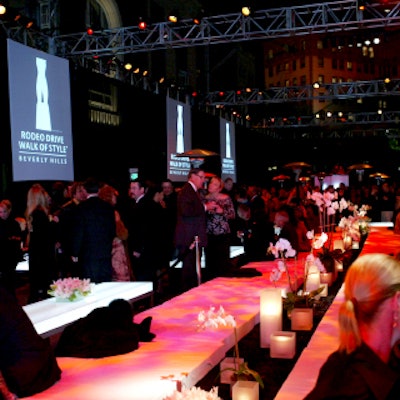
88,229
91,231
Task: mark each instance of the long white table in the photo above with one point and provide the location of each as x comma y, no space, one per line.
50,316
180,351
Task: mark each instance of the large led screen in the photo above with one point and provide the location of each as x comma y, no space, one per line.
228,149
40,115
179,139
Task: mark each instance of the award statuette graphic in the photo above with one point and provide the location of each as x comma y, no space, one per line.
180,142
43,120
227,141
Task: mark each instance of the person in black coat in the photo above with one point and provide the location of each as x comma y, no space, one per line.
146,226
191,222
41,242
10,246
93,235
27,361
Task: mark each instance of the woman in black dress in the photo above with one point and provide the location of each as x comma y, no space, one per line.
41,243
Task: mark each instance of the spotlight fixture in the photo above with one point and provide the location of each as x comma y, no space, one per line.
142,25
89,31
246,11
3,9
173,17
29,24
361,5
199,16
128,66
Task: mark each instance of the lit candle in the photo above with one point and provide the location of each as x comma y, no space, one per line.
338,244
283,344
313,279
302,319
270,314
347,240
245,390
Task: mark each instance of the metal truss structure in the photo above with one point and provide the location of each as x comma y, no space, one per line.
335,16
325,92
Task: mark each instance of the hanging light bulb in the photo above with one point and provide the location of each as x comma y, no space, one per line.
173,17
246,11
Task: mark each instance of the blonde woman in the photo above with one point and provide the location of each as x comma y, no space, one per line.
41,242
369,329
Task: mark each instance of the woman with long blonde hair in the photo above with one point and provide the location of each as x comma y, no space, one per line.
369,330
41,242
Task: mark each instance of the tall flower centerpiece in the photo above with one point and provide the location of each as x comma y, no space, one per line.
215,318
325,258
328,207
282,250
70,289
356,224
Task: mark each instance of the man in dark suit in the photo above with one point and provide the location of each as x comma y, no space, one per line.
146,232
191,223
93,235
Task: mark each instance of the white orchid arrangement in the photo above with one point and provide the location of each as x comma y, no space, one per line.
350,226
357,223
317,242
322,243
328,205
194,393
282,250
215,318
